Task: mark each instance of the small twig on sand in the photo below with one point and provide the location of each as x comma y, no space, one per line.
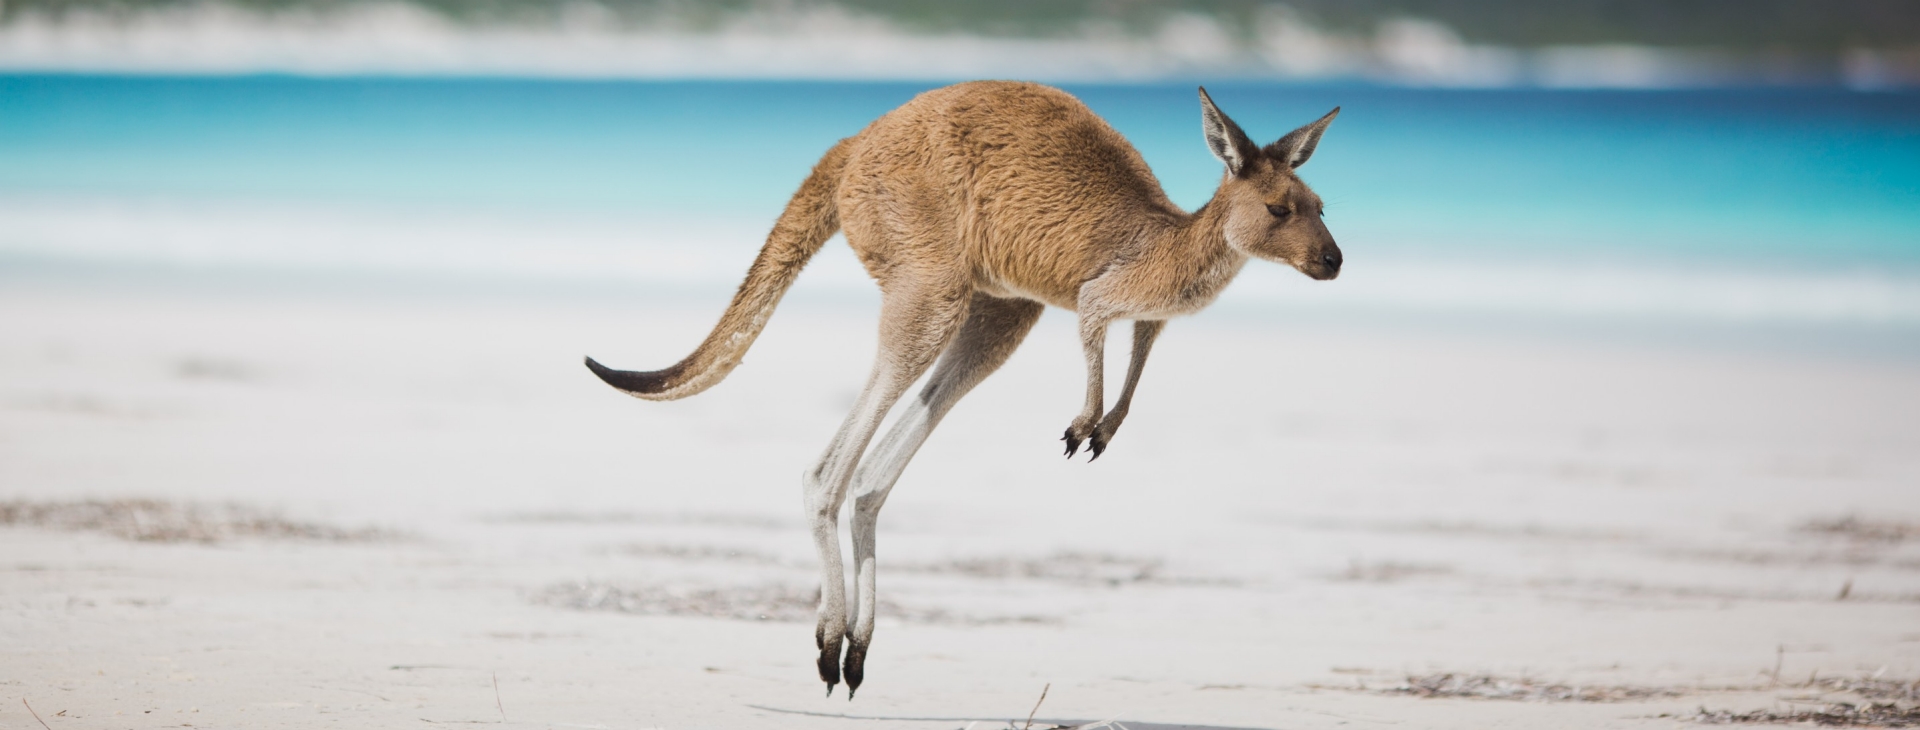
496,698
36,715
1036,706
1779,657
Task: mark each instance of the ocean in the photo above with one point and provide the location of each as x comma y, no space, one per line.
1736,206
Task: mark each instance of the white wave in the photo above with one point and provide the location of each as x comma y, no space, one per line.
1672,290
814,41
701,252
376,239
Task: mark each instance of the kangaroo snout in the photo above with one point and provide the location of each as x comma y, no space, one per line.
1326,268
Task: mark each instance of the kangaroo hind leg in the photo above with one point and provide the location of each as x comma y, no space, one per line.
993,329
915,325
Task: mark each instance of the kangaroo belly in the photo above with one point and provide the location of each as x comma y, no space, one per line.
1000,287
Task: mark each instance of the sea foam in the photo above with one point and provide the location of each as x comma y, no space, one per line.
665,253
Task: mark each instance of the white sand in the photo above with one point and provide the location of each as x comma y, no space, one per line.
1291,505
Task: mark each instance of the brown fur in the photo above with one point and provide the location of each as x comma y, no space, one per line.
972,205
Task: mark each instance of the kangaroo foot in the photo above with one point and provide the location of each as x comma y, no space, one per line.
856,667
829,663
1073,443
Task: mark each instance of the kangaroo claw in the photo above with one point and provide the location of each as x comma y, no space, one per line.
1073,444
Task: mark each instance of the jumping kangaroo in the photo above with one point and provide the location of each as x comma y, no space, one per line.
975,206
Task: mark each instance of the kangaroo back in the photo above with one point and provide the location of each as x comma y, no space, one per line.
809,220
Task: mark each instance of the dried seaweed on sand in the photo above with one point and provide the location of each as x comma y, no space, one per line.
771,602
1837,714
149,520
1487,686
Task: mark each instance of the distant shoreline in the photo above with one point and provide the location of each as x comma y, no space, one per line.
829,43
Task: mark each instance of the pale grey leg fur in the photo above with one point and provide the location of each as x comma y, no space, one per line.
994,328
901,360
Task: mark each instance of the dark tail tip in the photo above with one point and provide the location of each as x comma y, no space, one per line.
597,368
629,380
605,373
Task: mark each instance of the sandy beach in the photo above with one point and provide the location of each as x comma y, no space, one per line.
333,509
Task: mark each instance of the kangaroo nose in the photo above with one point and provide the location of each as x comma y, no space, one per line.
1332,260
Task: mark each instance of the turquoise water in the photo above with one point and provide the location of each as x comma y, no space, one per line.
1655,190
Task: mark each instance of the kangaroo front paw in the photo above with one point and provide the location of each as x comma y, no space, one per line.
1077,433
1098,440
1103,434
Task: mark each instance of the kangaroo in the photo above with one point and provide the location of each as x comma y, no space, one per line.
975,206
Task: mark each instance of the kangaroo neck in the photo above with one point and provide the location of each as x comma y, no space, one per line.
1200,261
1203,233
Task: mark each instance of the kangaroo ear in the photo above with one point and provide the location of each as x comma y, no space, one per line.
1224,137
1295,148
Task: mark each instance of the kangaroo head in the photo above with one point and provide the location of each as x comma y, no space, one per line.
1270,213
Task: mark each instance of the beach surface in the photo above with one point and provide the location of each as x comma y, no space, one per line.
307,509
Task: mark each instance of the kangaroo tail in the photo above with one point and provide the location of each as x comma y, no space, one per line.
810,219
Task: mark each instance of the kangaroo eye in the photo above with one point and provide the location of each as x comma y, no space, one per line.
1279,211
